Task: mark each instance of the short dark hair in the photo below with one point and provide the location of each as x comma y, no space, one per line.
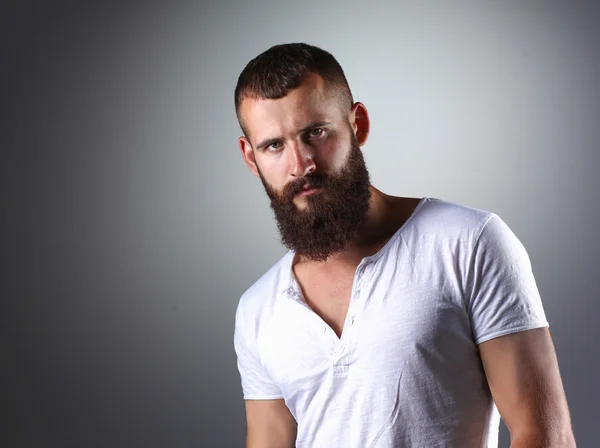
281,68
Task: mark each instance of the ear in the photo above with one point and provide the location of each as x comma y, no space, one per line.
359,120
248,155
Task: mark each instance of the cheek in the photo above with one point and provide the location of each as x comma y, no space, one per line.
334,153
273,170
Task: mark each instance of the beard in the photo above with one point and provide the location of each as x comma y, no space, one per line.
331,217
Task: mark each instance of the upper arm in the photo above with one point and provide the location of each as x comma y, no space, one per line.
269,421
502,294
524,379
269,424
510,327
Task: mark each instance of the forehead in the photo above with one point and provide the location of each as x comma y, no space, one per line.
311,101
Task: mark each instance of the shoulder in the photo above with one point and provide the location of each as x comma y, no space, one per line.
481,229
441,225
485,249
441,217
259,301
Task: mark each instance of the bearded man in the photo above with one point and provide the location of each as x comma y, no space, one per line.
391,321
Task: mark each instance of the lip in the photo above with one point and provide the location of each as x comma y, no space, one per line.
309,192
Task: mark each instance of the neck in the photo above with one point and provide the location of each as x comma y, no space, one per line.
381,224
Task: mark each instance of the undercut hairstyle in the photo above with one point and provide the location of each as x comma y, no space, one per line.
281,68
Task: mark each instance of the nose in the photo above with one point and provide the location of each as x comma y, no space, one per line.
302,162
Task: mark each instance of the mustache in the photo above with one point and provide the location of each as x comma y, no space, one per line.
297,186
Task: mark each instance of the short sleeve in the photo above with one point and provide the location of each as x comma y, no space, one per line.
503,297
256,382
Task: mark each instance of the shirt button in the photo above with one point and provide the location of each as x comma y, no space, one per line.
324,329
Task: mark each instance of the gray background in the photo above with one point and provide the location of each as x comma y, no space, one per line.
131,225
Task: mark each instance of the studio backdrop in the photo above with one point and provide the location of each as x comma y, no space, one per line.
132,226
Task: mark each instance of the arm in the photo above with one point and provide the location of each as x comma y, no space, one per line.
523,375
269,424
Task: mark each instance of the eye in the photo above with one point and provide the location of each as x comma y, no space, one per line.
316,132
275,146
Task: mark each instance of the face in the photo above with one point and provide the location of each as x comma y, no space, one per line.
306,151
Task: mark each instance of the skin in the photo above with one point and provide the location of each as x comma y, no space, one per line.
302,146
524,378
522,369
298,153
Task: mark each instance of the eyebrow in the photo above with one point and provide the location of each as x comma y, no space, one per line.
269,141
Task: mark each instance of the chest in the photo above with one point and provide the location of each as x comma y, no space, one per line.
328,296
401,347
384,327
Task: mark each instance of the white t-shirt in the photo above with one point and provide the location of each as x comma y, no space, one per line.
406,370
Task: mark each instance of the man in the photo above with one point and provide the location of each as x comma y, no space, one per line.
391,321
